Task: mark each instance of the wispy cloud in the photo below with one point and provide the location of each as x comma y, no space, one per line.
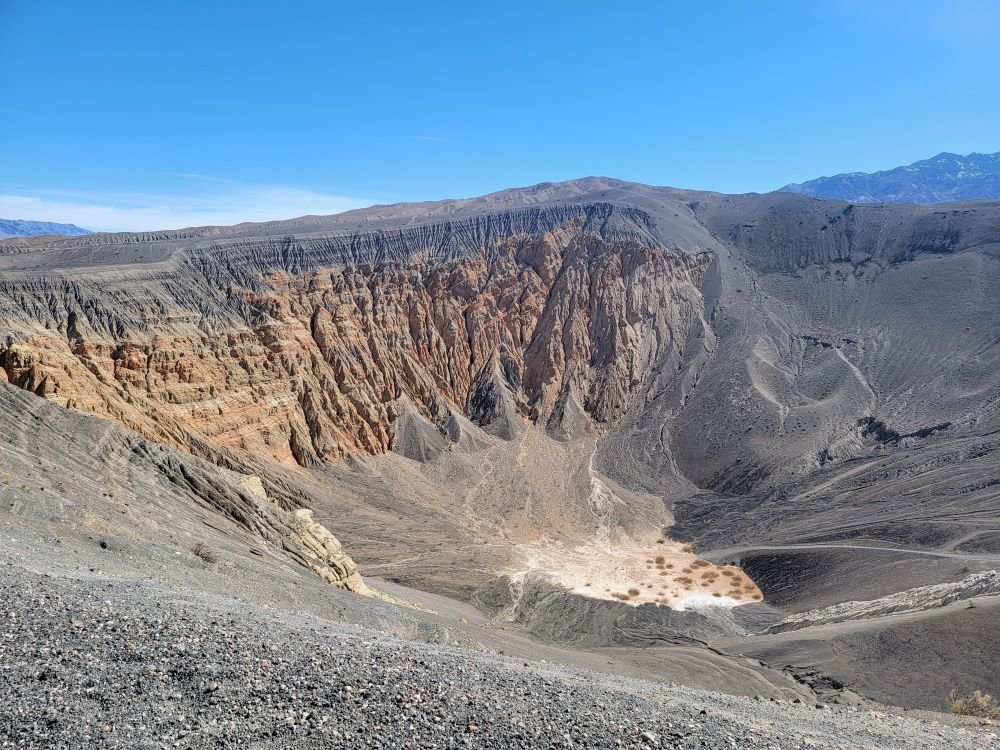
211,201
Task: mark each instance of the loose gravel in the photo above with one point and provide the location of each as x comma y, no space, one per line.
110,664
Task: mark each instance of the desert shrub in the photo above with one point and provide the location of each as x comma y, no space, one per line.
205,552
621,596
634,592
977,703
660,559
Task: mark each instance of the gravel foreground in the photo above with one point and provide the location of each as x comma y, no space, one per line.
95,664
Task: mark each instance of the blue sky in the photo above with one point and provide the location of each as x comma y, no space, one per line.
132,115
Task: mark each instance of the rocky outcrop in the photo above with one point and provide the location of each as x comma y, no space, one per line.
85,474
325,555
551,613
922,598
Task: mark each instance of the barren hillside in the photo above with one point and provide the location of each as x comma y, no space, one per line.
607,413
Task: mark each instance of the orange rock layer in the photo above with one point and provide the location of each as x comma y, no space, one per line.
309,366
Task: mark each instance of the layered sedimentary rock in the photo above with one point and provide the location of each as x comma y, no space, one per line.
88,477
310,360
985,583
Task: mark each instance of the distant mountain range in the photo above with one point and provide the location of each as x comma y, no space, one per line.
941,179
22,228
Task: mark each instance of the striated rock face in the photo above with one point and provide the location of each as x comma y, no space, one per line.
325,555
550,613
922,598
301,358
76,475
